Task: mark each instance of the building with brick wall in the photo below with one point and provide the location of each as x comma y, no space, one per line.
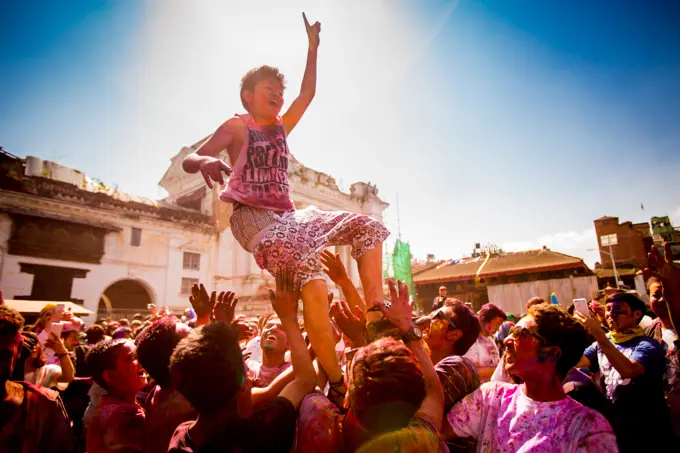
627,242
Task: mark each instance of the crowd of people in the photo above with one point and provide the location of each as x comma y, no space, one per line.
552,379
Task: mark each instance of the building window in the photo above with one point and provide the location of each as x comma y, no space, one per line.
192,261
187,283
136,237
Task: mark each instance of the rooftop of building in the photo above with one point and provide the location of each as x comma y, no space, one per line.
505,263
43,178
606,218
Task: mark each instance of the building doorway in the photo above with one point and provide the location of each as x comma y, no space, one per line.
123,299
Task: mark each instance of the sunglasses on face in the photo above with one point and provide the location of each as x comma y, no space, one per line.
439,314
518,331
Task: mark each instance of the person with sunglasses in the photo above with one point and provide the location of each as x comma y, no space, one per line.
452,331
536,415
632,366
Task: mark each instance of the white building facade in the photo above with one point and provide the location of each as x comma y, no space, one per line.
65,237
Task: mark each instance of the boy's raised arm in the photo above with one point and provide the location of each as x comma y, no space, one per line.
308,89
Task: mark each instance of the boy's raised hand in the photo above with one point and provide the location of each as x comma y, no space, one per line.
312,32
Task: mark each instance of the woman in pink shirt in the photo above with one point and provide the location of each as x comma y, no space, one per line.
265,221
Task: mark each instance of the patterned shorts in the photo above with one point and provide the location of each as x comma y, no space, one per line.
298,238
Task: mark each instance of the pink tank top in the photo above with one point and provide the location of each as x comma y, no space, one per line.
260,175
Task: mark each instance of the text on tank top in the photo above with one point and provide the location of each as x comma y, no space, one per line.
260,175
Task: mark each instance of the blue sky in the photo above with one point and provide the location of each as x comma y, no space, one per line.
511,122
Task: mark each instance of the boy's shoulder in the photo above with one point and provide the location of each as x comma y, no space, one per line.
236,125
238,120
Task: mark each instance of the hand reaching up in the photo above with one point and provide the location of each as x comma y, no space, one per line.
334,268
312,32
353,325
400,312
662,268
55,343
202,303
285,300
225,307
243,328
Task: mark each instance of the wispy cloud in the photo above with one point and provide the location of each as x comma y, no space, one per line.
582,244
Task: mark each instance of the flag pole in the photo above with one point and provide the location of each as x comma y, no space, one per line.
398,219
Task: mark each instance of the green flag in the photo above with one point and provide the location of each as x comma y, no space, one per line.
401,266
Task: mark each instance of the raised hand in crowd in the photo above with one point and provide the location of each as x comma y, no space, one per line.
399,313
338,274
662,268
225,307
353,325
244,329
334,268
285,303
203,304
56,344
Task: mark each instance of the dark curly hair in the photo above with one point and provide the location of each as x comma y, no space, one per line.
155,345
561,330
386,386
207,367
102,357
488,312
468,323
255,76
11,322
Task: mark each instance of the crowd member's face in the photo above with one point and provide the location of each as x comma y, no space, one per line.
443,292
273,337
71,340
441,333
37,356
620,317
657,300
492,326
522,350
127,377
9,352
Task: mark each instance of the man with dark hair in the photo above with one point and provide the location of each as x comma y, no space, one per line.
534,301
453,330
632,367
165,408
274,345
536,415
118,423
31,418
484,352
207,368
